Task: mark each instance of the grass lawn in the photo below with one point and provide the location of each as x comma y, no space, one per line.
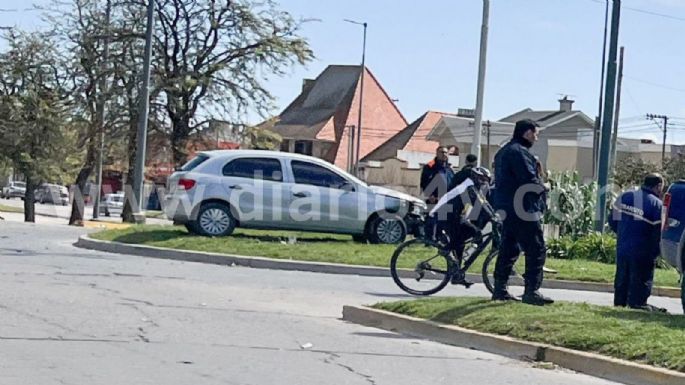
154,214
335,249
655,339
11,209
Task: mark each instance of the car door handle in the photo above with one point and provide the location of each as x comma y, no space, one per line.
300,195
236,187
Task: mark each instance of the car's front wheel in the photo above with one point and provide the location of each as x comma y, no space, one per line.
214,220
388,230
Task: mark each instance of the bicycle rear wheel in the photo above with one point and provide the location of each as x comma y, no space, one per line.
420,267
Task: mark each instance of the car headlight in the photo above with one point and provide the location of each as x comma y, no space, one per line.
416,209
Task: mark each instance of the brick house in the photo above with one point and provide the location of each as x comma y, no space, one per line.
398,162
322,120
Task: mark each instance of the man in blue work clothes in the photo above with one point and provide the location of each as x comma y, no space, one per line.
519,198
636,219
437,176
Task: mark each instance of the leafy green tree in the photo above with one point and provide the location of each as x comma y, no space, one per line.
34,129
213,58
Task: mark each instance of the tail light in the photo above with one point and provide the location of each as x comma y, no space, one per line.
186,184
665,211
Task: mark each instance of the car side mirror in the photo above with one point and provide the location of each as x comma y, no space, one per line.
348,186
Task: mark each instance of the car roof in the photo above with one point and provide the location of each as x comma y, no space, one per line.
259,153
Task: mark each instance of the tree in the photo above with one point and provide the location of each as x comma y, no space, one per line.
632,171
34,130
210,57
79,29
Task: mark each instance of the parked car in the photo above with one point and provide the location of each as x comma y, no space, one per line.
14,189
673,230
217,191
52,193
112,203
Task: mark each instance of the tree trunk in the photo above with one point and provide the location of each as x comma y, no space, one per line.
127,213
78,204
179,141
29,200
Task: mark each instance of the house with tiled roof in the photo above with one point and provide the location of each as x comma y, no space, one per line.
397,163
323,118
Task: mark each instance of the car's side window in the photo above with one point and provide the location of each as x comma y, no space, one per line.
255,168
312,174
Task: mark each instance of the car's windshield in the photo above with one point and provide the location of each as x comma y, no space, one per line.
117,198
20,184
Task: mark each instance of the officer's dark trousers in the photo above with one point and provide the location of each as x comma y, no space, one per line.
633,282
520,235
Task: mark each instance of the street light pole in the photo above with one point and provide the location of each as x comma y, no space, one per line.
101,109
478,119
607,118
361,98
139,171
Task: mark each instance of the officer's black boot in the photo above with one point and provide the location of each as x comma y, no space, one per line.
533,297
500,293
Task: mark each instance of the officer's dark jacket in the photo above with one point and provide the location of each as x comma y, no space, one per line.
636,218
515,167
432,186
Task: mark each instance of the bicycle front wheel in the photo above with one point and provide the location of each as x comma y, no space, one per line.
488,272
420,267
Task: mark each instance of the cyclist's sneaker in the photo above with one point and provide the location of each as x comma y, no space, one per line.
650,308
456,280
504,296
535,298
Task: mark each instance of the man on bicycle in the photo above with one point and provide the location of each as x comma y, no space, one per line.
462,213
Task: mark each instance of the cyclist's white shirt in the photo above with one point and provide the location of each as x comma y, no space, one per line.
455,192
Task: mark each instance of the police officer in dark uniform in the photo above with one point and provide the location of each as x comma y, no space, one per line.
437,176
636,219
519,197
465,172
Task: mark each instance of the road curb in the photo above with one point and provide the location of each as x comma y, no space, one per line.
316,267
589,363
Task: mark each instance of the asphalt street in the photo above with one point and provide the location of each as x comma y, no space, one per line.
72,316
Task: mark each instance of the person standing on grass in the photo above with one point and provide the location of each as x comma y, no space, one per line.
519,196
636,219
437,176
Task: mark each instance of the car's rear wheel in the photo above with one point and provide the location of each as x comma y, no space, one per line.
387,230
214,220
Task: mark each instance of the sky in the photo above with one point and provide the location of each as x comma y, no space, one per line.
425,54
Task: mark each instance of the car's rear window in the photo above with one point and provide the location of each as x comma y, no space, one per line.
20,184
196,161
117,199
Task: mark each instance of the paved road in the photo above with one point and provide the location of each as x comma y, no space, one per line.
62,213
71,316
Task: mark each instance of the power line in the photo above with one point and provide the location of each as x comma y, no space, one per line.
645,11
653,84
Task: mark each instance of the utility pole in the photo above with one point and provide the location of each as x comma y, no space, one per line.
100,113
478,123
598,119
614,137
361,97
664,128
350,150
139,171
607,117
486,130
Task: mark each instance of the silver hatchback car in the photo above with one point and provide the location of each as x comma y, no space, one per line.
217,191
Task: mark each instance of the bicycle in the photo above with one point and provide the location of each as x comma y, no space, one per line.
434,264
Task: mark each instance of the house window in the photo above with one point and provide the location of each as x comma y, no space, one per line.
285,145
303,147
